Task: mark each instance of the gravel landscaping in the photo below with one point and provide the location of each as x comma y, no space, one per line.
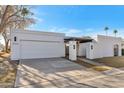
7,71
93,66
117,62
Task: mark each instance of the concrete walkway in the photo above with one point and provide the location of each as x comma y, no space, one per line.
60,72
90,61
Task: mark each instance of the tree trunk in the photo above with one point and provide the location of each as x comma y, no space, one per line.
6,42
6,46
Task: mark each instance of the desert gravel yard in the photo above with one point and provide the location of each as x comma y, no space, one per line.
62,73
7,71
117,62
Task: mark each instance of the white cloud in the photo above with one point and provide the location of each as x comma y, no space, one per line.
89,29
93,32
38,19
74,32
37,14
67,31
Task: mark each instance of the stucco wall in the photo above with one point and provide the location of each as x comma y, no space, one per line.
82,49
72,50
122,44
30,44
103,47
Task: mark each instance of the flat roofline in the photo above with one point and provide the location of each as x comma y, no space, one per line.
108,36
36,32
80,39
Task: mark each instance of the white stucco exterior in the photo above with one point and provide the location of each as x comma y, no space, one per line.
82,49
34,44
122,45
73,50
103,47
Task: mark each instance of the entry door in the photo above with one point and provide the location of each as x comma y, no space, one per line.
116,50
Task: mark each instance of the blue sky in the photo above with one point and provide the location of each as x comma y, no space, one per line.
79,20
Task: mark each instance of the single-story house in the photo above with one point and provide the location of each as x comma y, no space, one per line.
33,44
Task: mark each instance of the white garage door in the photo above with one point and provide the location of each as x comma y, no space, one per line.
41,49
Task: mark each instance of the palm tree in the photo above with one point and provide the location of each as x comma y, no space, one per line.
115,32
106,30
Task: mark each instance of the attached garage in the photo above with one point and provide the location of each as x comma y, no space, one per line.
34,44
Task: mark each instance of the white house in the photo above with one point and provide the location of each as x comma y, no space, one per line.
34,44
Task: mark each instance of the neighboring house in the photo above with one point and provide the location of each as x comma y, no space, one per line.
34,44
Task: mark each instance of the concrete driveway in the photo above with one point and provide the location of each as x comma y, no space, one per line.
60,72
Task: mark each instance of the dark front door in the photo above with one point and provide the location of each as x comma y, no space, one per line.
116,50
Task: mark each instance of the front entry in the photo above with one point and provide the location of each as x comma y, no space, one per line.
116,50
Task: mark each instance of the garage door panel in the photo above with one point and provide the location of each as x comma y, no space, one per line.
36,49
